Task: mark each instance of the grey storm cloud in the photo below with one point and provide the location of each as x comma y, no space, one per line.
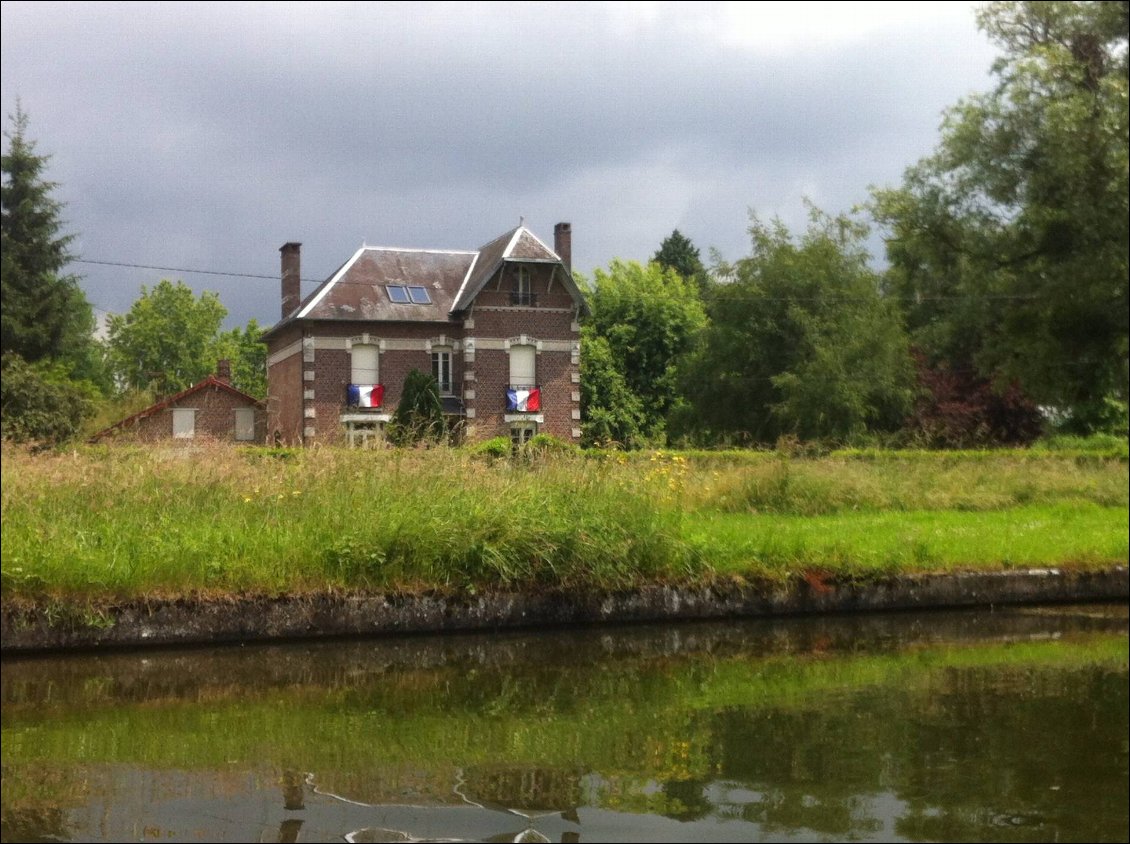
204,136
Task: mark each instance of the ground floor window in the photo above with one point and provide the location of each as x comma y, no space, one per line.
522,432
184,423
245,424
365,434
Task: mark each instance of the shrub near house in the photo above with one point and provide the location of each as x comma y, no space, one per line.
497,327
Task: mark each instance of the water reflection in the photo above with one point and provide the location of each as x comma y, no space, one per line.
1002,726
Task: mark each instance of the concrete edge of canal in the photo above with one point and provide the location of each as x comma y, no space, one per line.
245,620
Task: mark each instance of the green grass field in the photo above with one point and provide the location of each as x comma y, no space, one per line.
107,524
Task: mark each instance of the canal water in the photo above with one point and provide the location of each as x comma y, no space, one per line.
1007,725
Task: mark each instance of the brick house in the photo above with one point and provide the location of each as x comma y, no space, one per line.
498,327
211,409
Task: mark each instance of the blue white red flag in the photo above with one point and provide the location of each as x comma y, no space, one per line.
523,401
366,395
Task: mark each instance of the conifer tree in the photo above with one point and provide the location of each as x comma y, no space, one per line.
45,314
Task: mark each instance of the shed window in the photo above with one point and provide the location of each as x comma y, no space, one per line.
184,423
245,424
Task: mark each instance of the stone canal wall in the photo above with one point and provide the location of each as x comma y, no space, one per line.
182,622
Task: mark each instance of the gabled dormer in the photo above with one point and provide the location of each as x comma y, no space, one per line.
518,270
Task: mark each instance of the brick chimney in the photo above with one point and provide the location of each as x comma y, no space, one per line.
563,244
223,370
291,277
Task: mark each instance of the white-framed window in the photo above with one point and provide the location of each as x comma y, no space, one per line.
367,434
441,369
522,432
364,364
245,424
522,291
184,423
523,366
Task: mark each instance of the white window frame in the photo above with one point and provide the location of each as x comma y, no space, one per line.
522,432
440,356
181,431
523,288
246,429
365,434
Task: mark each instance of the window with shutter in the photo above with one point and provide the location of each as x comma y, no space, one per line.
364,360
523,366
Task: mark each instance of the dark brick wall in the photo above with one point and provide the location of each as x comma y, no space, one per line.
284,389
492,378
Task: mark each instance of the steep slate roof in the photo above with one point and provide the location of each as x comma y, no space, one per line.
210,381
356,291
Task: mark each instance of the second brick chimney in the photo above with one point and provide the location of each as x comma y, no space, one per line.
291,277
223,370
563,243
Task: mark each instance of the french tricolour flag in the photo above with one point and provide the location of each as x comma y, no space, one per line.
523,401
366,395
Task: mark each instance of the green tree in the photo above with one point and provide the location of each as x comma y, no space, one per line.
1010,243
419,415
611,413
245,348
167,339
678,253
39,403
647,318
800,342
45,314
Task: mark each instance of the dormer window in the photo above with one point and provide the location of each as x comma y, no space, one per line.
522,292
408,294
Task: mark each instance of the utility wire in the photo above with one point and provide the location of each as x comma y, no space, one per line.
184,270
729,298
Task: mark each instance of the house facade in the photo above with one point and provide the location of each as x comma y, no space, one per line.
498,327
211,409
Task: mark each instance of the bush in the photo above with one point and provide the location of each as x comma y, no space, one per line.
493,448
548,444
39,406
419,416
958,409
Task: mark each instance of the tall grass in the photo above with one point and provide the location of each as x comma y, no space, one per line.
117,522
170,521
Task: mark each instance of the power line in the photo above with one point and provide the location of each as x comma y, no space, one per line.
1015,297
185,270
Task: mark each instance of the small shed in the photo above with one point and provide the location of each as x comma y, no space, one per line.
211,409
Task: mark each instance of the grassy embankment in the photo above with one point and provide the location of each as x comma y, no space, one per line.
111,524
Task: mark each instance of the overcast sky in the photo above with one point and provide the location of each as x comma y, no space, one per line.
205,136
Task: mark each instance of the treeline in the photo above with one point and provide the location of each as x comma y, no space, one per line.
1002,313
